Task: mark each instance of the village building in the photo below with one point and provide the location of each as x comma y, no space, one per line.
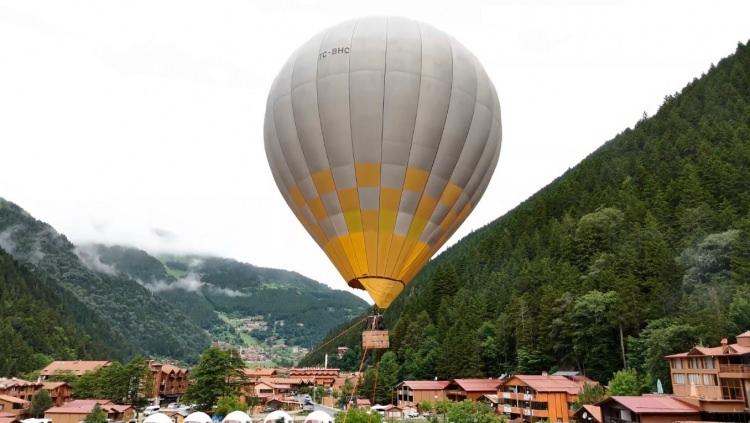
170,382
343,377
647,409
540,397
317,375
75,368
59,392
410,393
76,411
256,373
177,415
8,418
363,403
391,411
589,413
13,406
471,389
716,379
341,352
286,403
19,388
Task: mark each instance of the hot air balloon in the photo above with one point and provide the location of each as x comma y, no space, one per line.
382,134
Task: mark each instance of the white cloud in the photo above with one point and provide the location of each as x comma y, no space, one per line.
90,258
149,114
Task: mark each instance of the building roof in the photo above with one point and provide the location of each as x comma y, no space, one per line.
53,385
594,411
84,406
478,385
13,382
259,371
654,404
8,419
8,398
363,401
721,350
282,399
492,398
390,407
283,380
168,368
313,371
552,383
426,385
76,367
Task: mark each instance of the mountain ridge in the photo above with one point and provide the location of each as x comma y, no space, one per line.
643,244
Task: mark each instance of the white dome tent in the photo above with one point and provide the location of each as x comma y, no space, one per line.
278,416
319,417
237,417
158,418
197,417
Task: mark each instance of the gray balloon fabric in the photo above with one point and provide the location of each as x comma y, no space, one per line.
382,134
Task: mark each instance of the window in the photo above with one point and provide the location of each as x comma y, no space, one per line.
677,363
679,378
538,405
709,363
696,363
731,389
709,380
695,378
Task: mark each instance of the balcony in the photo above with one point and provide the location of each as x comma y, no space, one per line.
735,370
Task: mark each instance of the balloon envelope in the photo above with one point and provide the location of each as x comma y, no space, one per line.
382,134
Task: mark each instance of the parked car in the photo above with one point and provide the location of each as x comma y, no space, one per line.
151,409
412,414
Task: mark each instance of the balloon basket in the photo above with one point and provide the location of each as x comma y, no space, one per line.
375,339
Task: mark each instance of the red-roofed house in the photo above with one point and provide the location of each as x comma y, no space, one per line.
258,372
647,409
59,392
363,403
410,393
317,375
544,397
471,389
8,418
76,411
717,379
77,368
19,388
589,413
12,405
170,382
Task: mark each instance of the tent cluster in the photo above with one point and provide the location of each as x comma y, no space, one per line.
277,416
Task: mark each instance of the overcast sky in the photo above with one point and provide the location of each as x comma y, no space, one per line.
140,122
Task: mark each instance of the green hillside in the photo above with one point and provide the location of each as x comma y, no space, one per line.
644,245
297,309
105,304
37,325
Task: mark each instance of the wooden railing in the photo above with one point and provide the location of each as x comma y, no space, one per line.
734,368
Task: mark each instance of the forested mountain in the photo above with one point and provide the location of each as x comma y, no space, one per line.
108,306
114,302
37,323
644,247
295,308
